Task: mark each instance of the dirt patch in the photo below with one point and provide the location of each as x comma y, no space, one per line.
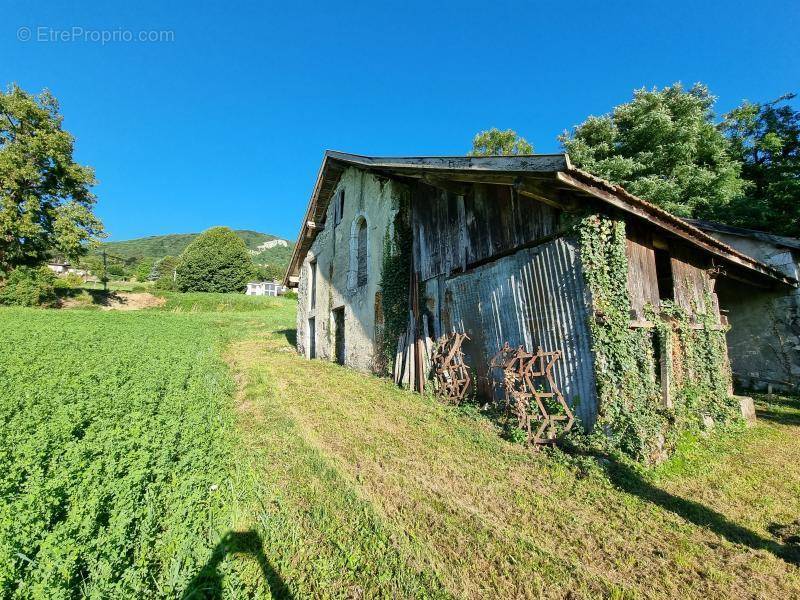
114,300
132,301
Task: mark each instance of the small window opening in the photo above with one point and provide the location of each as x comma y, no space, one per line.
666,287
313,284
338,208
361,256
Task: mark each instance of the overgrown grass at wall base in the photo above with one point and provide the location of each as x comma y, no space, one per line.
633,417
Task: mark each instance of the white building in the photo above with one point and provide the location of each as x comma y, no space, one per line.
59,268
265,288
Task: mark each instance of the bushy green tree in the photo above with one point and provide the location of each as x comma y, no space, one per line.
163,273
116,270
664,147
217,261
143,269
269,272
28,286
45,198
765,137
499,143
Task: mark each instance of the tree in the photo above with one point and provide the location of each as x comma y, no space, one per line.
499,143
216,261
164,267
163,272
664,147
29,286
143,269
765,137
45,198
269,272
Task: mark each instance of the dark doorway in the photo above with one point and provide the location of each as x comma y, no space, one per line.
666,286
312,338
338,325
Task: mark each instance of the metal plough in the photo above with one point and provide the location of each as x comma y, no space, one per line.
449,369
517,377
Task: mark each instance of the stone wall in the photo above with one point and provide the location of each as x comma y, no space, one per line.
335,251
764,340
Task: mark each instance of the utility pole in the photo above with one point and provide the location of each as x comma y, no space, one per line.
105,272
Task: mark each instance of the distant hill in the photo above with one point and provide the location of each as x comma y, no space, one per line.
159,246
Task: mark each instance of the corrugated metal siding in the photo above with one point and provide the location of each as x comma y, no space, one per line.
536,297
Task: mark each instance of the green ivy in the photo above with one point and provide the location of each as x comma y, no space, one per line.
395,277
632,416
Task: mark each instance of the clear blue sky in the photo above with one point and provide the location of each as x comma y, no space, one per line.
226,124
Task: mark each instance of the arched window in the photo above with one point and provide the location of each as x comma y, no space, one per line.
361,253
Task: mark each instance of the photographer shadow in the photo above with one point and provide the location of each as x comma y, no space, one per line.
208,581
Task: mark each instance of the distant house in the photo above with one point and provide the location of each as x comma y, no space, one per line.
58,267
62,268
764,340
493,247
265,288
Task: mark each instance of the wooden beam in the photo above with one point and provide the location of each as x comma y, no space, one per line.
538,191
457,188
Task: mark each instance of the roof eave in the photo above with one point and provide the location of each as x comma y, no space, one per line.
556,164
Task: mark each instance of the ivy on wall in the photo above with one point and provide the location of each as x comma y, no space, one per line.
395,278
633,417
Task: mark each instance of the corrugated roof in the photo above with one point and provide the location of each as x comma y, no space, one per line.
777,240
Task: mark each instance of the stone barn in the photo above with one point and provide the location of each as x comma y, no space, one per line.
394,253
764,340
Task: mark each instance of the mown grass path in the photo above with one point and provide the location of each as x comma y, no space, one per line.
457,510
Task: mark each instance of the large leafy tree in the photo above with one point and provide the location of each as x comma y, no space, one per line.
216,261
765,137
664,147
144,269
494,142
45,198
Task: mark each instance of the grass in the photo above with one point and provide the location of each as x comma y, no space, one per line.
114,430
337,484
213,302
488,518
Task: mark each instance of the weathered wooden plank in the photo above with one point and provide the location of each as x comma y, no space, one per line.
454,231
690,278
523,164
642,278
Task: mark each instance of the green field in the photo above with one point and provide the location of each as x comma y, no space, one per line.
189,452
